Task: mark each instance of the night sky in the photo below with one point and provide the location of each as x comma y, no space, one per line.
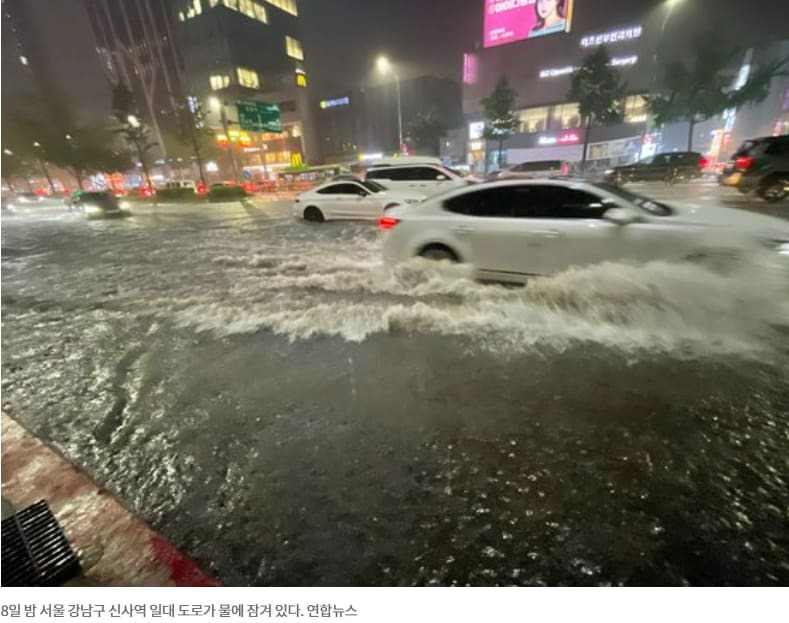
342,37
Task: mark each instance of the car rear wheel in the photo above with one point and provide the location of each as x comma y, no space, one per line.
772,189
439,252
313,215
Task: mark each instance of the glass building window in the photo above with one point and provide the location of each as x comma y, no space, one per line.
252,9
289,6
293,48
219,81
635,109
533,119
565,117
248,78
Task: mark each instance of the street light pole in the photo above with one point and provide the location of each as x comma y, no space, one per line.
43,166
385,67
670,8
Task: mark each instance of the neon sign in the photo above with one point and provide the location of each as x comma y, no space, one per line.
613,36
566,137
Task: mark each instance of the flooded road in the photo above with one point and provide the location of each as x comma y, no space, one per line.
288,411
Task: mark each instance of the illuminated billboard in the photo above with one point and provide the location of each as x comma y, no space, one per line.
507,21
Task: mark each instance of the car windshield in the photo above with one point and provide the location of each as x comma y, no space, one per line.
655,208
373,186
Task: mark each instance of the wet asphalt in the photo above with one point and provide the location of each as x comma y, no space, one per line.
290,412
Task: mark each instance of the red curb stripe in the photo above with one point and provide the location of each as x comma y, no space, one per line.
133,553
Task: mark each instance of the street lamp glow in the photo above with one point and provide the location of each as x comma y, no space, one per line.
383,64
214,102
68,137
8,152
36,144
133,121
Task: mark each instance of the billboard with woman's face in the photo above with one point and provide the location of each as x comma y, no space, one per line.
507,21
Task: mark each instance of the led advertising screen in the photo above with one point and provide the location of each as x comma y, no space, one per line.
507,21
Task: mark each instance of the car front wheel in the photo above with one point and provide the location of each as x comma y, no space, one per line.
314,215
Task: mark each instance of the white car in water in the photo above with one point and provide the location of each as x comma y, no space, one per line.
509,230
349,199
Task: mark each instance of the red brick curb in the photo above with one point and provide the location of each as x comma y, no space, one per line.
92,520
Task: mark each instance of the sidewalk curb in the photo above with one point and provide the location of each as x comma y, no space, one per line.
133,553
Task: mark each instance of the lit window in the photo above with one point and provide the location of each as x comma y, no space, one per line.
219,81
23,60
565,117
231,4
248,78
194,8
289,6
295,130
533,119
635,109
301,80
252,9
293,48
213,3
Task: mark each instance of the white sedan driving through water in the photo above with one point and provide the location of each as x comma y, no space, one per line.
510,230
350,199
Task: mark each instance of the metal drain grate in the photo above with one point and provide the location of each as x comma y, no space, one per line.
35,551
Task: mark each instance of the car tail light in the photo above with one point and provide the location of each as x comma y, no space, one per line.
704,163
743,163
387,222
564,169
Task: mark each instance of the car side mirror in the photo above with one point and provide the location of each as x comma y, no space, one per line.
620,216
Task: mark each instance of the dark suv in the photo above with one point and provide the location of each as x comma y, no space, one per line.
669,167
761,165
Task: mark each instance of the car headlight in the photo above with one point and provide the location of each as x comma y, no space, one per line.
783,248
125,205
92,209
780,245
609,171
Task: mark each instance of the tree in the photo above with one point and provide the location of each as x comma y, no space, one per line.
700,86
15,167
425,132
84,150
191,129
599,91
500,118
132,128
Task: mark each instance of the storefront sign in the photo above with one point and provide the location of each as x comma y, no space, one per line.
566,137
617,61
507,21
613,36
475,130
339,101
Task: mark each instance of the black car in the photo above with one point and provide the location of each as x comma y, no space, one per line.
95,204
760,165
668,167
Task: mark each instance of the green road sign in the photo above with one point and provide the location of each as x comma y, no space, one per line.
258,116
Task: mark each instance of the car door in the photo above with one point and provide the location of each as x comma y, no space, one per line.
337,199
365,205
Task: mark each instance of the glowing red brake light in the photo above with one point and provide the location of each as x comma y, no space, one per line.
704,163
387,222
743,163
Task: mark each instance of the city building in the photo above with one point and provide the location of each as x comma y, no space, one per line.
248,50
354,122
540,59
53,65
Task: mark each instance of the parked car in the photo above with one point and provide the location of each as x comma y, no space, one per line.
760,165
96,204
350,200
512,229
538,168
426,179
669,167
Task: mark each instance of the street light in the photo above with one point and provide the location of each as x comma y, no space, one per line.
385,67
8,152
133,121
